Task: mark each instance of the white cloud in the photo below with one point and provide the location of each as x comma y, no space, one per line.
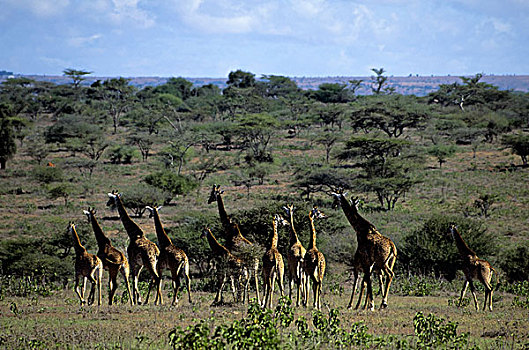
40,8
83,40
129,11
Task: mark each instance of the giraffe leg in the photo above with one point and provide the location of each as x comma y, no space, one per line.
112,284
355,280
188,281
272,287
473,291
361,294
93,284
389,277
280,277
175,275
463,292
98,280
256,279
77,289
369,293
125,273
136,269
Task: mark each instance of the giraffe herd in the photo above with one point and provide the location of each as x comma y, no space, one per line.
376,254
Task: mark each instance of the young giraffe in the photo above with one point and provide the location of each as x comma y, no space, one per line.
228,265
473,268
171,257
141,251
314,262
273,265
236,243
88,266
375,251
295,255
113,260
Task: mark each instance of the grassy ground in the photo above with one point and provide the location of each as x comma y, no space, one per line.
59,322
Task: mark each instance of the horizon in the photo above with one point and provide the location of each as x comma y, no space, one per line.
294,38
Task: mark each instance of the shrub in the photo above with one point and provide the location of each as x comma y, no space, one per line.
46,174
121,154
431,248
433,332
515,262
171,183
143,195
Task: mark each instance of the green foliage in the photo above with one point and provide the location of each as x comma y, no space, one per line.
431,249
46,174
514,261
61,190
141,196
8,147
121,154
171,183
433,332
519,144
442,152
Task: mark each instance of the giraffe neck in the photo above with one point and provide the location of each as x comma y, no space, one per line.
133,230
224,218
217,248
273,245
162,236
101,238
463,248
360,225
293,235
77,246
312,243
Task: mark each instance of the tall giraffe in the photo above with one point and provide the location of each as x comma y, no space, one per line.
228,265
473,268
171,257
273,265
236,243
314,262
113,259
375,252
141,251
88,266
295,255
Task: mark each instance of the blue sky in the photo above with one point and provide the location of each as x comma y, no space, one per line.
210,38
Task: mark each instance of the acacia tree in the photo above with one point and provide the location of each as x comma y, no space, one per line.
8,126
78,76
117,95
379,82
255,132
387,166
390,114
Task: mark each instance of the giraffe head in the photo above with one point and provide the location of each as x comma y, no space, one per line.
452,229
112,198
71,227
215,192
289,210
205,232
151,210
90,213
315,213
279,220
337,196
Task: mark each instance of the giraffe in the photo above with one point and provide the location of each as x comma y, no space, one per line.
375,252
228,265
236,243
113,260
357,269
295,256
141,251
273,265
171,257
314,262
88,266
473,268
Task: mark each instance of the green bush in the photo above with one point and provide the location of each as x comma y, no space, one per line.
431,248
46,174
171,182
121,154
142,195
515,262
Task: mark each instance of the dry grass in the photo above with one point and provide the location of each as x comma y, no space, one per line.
59,322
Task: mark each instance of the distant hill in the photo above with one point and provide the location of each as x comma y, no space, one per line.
410,85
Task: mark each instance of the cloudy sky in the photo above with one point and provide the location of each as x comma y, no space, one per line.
210,38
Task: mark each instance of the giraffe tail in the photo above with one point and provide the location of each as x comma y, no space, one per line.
497,278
